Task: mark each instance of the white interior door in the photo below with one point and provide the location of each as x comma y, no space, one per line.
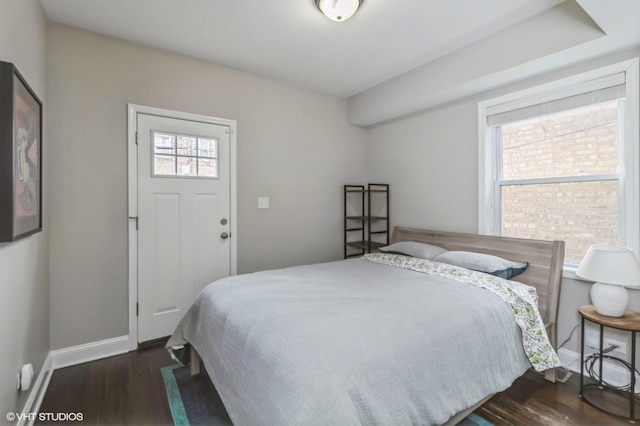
183,217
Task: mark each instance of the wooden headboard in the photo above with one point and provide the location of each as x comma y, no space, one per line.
545,260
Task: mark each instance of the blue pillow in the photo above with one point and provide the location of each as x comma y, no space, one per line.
486,263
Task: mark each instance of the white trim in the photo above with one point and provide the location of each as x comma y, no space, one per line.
36,395
132,157
74,355
67,357
132,112
631,150
486,171
630,201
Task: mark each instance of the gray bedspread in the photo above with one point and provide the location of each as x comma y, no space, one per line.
351,342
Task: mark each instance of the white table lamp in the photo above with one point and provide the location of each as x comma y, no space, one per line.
611,268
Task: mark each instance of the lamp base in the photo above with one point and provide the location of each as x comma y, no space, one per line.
609,300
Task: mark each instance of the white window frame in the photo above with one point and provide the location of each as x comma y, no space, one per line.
629,176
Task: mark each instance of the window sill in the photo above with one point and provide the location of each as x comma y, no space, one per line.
570,272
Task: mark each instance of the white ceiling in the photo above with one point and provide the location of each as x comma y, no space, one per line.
394,57
291,41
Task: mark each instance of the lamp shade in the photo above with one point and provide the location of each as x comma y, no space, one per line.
338,10
610,265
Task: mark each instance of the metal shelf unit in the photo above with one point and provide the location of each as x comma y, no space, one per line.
364,232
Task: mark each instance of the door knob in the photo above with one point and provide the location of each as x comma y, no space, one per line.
224,235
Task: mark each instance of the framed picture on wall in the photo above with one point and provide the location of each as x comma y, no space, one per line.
20,156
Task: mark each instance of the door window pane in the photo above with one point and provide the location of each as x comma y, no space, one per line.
208,148
208,167
187,166
164,165
186,145
164,144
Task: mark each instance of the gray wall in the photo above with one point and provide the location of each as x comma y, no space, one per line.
431,161
294,146
24,304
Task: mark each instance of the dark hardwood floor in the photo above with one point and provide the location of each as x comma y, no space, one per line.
124,389
128,389
531,400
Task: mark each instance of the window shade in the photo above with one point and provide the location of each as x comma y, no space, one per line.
596,91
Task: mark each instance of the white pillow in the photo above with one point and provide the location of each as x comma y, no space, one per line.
414,249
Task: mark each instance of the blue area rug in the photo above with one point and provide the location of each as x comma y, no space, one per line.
193,400
474,420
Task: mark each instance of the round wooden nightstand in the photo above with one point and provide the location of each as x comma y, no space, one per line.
630,321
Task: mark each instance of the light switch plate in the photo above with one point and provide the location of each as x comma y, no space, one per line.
263,202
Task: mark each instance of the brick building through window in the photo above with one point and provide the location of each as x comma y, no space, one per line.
560,162
576,143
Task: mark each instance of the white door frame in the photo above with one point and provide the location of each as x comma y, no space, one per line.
132,113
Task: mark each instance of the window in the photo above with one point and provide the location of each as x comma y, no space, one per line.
560,161
184,156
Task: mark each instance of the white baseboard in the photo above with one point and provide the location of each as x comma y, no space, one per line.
569,359
90,352
613,373
67,357
37,393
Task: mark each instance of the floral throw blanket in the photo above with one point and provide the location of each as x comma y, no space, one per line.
521,299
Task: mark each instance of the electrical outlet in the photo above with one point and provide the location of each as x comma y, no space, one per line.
263,202
592,340
621,346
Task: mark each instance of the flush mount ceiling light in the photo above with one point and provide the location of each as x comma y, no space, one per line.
338,10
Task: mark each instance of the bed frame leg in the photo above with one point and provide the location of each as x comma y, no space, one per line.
550,375
194,361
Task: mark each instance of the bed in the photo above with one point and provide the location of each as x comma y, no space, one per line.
386,339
